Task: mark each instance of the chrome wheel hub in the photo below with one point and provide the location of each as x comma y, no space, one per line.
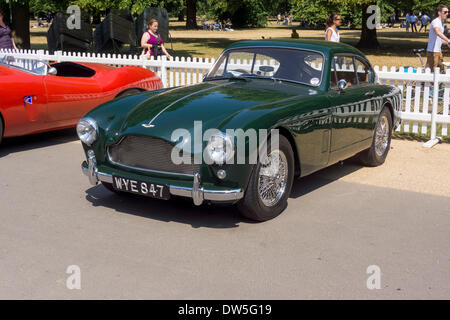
273,176
382,136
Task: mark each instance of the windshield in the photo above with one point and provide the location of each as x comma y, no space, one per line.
38,67
295,65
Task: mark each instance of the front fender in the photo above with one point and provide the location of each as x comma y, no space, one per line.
110,116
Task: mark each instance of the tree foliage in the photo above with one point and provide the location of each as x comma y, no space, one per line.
242,13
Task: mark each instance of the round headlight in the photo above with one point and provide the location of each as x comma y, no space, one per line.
87,130
219,149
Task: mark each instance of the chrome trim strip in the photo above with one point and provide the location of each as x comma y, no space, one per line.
227,195
197,190
212,195
100,175
181,191
92,169
105,177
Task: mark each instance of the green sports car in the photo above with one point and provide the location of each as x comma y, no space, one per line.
267,112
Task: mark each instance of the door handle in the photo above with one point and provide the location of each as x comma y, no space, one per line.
369,93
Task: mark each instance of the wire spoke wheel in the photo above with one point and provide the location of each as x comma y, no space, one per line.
273,177
377,153
382,136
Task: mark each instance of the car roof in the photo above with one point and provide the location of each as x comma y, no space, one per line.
327,47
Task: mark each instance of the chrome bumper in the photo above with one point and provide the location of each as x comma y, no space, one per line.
197,192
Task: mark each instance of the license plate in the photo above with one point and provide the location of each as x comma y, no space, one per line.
149,189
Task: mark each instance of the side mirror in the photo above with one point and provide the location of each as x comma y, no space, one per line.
342,85
52,71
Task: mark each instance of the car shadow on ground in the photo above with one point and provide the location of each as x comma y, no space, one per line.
182,210
40,140
177,209
323,177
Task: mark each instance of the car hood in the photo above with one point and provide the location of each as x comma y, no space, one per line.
214,103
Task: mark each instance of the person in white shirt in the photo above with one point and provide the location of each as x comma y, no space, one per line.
413,20
332,32
424,19
408,21
435,40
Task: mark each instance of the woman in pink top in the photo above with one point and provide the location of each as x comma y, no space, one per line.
151,40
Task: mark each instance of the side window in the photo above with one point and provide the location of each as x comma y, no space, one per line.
312,69
363,71
345,69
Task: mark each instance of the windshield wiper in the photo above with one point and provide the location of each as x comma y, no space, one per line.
231,77
260,77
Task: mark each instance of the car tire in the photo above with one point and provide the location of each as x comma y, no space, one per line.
381,142
253,206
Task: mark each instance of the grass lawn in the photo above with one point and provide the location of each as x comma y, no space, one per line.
396,44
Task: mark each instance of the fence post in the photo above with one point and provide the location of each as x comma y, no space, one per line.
143,60
58,55
164,71
433,139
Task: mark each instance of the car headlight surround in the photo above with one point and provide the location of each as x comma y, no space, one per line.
220,149
87,130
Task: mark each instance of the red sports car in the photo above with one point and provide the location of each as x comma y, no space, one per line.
37,96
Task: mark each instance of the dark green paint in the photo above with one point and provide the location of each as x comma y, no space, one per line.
324,123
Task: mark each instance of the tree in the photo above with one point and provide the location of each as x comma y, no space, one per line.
368,39
43,6
316,12
191,14
242,13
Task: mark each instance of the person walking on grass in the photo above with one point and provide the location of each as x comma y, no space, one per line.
435,40
407,21
425,19
332,32
413,20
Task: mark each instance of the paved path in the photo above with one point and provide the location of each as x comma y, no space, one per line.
338,222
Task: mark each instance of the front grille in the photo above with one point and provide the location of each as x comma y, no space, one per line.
148,153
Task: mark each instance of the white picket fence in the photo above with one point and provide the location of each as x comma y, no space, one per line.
426,94
426,99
